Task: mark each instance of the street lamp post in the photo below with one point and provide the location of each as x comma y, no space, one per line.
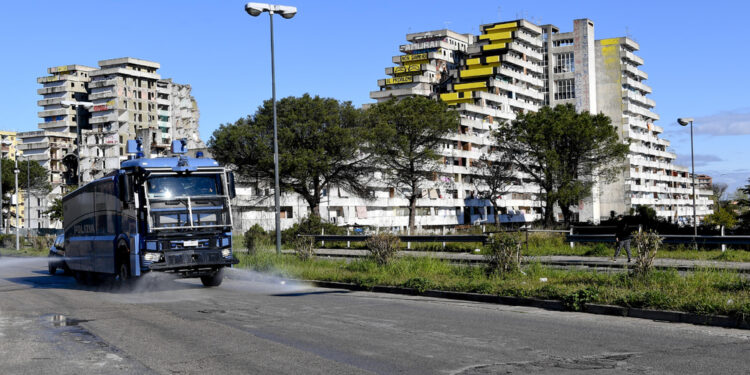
684,122
28,197
255,9
15,172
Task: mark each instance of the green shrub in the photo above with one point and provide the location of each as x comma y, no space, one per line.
7,240
503,254
419,283
309,225
42,242
304,248
253,237
383,247
576,300
646,246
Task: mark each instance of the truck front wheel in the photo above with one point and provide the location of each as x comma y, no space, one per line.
213,280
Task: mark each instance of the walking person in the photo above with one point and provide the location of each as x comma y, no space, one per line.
622,236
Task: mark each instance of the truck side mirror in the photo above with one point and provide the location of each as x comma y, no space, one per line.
232,192
126,188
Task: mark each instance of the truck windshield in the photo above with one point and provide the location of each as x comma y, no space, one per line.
181,186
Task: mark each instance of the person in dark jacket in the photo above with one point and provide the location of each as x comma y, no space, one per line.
622,236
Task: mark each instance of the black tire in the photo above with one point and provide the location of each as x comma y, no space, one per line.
213,280
66,270
122,274
52,269
81,277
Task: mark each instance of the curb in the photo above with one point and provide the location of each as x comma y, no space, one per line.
555,305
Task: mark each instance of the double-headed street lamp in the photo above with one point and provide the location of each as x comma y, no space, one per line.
255,9
684,121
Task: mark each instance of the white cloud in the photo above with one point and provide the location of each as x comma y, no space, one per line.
700,159
726,123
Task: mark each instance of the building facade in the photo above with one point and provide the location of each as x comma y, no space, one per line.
509,68
129,100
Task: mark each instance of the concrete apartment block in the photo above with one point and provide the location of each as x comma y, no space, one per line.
130,100
510,67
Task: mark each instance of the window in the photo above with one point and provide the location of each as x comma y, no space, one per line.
564,62
565,89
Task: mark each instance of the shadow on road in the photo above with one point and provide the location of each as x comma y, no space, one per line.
300,294
144,284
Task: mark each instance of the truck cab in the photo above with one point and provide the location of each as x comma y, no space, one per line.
170,214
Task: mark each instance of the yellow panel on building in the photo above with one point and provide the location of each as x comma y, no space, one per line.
478,72
469,86
494,46
497,36
408,69
398,80
502,27
413,58
610,41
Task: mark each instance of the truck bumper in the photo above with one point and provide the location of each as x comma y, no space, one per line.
193,261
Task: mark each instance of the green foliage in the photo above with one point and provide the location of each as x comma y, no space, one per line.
722,217
704,291
646,246
319,145
598,250
253,237
405,138
492,179
55,211
560,149
310,225
503,254
383,247
304,248
421,284
39,176
577,300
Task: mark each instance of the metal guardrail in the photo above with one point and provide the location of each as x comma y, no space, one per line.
404,238
667,239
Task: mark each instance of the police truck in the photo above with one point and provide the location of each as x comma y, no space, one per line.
167,214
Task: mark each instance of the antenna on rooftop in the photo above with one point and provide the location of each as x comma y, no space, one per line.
499,18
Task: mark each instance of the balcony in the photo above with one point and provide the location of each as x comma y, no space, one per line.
632,57
638,98
637,85
632,108
523,63
522,77
102,83
55,112
102,95
526,50
635,71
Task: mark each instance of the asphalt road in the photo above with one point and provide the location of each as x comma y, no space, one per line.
254,324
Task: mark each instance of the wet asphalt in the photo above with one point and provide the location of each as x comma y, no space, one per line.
258,324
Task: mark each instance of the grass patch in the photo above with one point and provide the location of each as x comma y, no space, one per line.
705,291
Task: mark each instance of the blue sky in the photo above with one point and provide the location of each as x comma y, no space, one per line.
695,54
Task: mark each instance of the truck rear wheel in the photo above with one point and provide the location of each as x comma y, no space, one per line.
213,280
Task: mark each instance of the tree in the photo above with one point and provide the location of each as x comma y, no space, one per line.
39,176
405,136
319,147
721,217
742,199
55,211
564,152
718,189
492,179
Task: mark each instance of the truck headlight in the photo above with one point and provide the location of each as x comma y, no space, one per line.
226,253
153,257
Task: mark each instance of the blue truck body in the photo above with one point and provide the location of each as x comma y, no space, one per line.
152,214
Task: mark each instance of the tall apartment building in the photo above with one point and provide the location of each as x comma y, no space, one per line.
8,149
129,100
514,67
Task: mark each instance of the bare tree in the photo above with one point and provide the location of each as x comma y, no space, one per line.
492,178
